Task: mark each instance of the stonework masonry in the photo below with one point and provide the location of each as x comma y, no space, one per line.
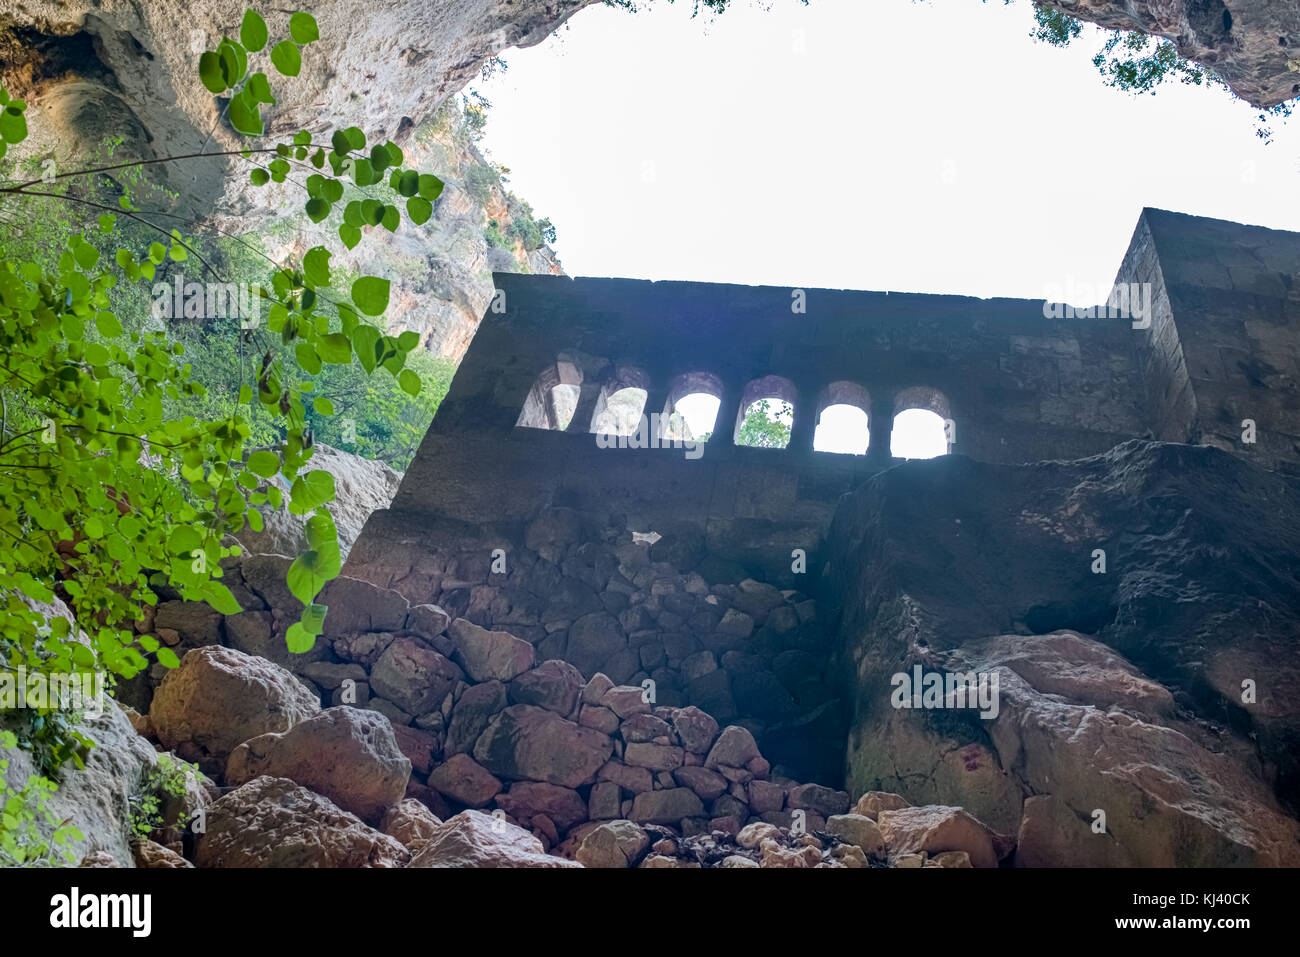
719,611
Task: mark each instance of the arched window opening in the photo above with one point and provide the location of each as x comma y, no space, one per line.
621,404
842,428
842,424
766,413
553,398
691,412
923,427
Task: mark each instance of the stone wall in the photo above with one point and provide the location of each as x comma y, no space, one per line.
1226,347
514,517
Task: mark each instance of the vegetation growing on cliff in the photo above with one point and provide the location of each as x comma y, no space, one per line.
122,465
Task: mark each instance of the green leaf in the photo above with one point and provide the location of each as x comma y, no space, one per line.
259,177
350,235
259,88
408,183
392,218
309,490
106,222
370,293
322,406
356,138
286,58
335,349
244,115
419,209
211,74
408,340
263,463
306,355
409,381
220,598
430,186
167,658
317,209
107,325
252,31
316,266
302,27
364,340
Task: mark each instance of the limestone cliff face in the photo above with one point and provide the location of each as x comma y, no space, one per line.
1253,45
91,68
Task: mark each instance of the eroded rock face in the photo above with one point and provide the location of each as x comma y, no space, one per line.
272,822
95,798
406,57
1121,694
219,698
345,754
1246,42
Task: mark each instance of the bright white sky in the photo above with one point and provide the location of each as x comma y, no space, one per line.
928,146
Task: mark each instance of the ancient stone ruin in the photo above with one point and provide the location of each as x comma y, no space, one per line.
550,650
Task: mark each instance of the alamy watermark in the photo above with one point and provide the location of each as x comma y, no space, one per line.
652,432
208,300
953,689
1125,301
64,691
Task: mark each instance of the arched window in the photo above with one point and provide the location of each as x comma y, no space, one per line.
691,411
621,403
842,419
766,413
923,426
553,398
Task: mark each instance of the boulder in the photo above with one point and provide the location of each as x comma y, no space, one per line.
357,606
410,822
734,748
475,839
219,698
489,655
345,754
525,742
527,799
859,830
471,715
272,822
695,729
614,844
668,806
554,685
465,781
935,828
413,676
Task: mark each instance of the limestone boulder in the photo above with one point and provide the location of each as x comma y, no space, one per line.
489,655
413,676
273,822
219,698
614,844
524,742
933,829
475,839
345,754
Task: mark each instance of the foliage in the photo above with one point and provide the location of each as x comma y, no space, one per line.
116,473
765,427
165,781
495,237
24,816
479,183
1137,62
